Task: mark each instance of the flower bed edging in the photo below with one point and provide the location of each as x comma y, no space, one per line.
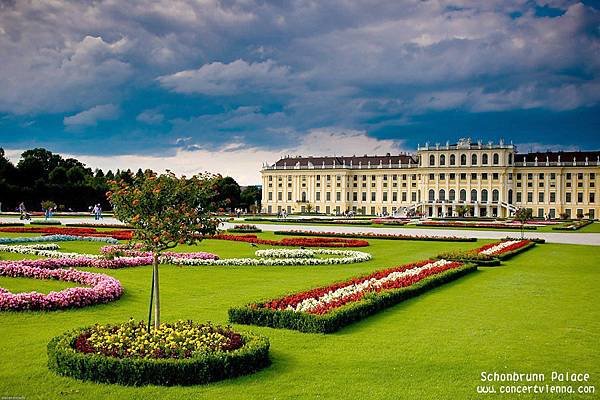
345,315
64,360
384,236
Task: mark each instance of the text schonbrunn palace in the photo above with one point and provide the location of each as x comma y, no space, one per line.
493,179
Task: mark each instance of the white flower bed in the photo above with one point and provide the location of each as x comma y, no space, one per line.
311,303
285,253
344,257
499,247
44,250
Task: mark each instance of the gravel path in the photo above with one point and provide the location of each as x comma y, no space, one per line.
592,239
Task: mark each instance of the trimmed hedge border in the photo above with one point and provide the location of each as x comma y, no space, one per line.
345,315
43,222
383,236
12,224
64,360
233,230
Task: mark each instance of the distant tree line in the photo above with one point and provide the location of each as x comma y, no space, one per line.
41,175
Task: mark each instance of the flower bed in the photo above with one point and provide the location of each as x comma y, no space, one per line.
244,228
390,221
306,242
57,238
573,225
465,224
491,254
44,250
124,250
103,289
313,221
84,261
283,257
327,309
183,353
369,235
116,234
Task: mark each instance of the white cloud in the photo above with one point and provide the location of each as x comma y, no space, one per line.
227,79
238,160
92,116
150,117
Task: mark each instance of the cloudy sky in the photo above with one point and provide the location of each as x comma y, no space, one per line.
226,85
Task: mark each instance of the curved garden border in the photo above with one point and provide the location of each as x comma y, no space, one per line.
103,289
369,235
64,360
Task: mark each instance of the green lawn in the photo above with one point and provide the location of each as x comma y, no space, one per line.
537,313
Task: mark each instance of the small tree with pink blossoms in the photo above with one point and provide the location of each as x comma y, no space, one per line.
165,211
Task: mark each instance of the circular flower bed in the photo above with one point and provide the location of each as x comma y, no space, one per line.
103,289
182,353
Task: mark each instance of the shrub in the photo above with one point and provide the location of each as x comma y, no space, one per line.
45,222
64,359
244,229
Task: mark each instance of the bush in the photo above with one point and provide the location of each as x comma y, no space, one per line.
244,229
45,222
336,319
64,360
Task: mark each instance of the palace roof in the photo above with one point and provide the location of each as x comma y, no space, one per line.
565,156
355,161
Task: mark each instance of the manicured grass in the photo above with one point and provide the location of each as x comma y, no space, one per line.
537,313
20,285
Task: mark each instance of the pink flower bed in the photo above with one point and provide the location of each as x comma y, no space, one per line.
103,289
124,250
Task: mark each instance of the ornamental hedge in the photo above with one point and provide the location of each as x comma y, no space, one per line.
45,222
384,236
334,320
64,360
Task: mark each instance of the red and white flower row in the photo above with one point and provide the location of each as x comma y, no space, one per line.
323,300
103,289
506,246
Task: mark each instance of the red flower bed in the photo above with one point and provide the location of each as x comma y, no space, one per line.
507,249
51,230
303,241
295,299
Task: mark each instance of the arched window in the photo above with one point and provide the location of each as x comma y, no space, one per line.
484,195
510,196
442,195
496,159
473,195
484,159
463,195
510,158
495,195
474,159
431,195
442,159
451,195
463,159
452,159
432,160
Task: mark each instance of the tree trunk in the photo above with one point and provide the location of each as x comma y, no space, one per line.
156,291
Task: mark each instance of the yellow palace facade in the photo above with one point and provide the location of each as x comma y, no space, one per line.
492,179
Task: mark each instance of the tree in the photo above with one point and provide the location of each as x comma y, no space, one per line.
523,215
230,192
462,210
165,211
58,175
250,196
76,174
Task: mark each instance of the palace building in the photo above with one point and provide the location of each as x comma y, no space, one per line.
493,179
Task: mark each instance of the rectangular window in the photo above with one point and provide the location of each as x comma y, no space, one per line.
529,197
289,197
385,177
552,175
463,177
540,213
364,196
519,176
328,196
519,197
442,177
473,177
279,196
495,176
318,196
431,177
394,196
385,196
567,197
568,175
413,196
541,197
270,196
592,197
354,196
580,197
452,176
338,196
541,175
552,197
318,178
530,176
373,196
403,196
580,175
592,175
372,210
